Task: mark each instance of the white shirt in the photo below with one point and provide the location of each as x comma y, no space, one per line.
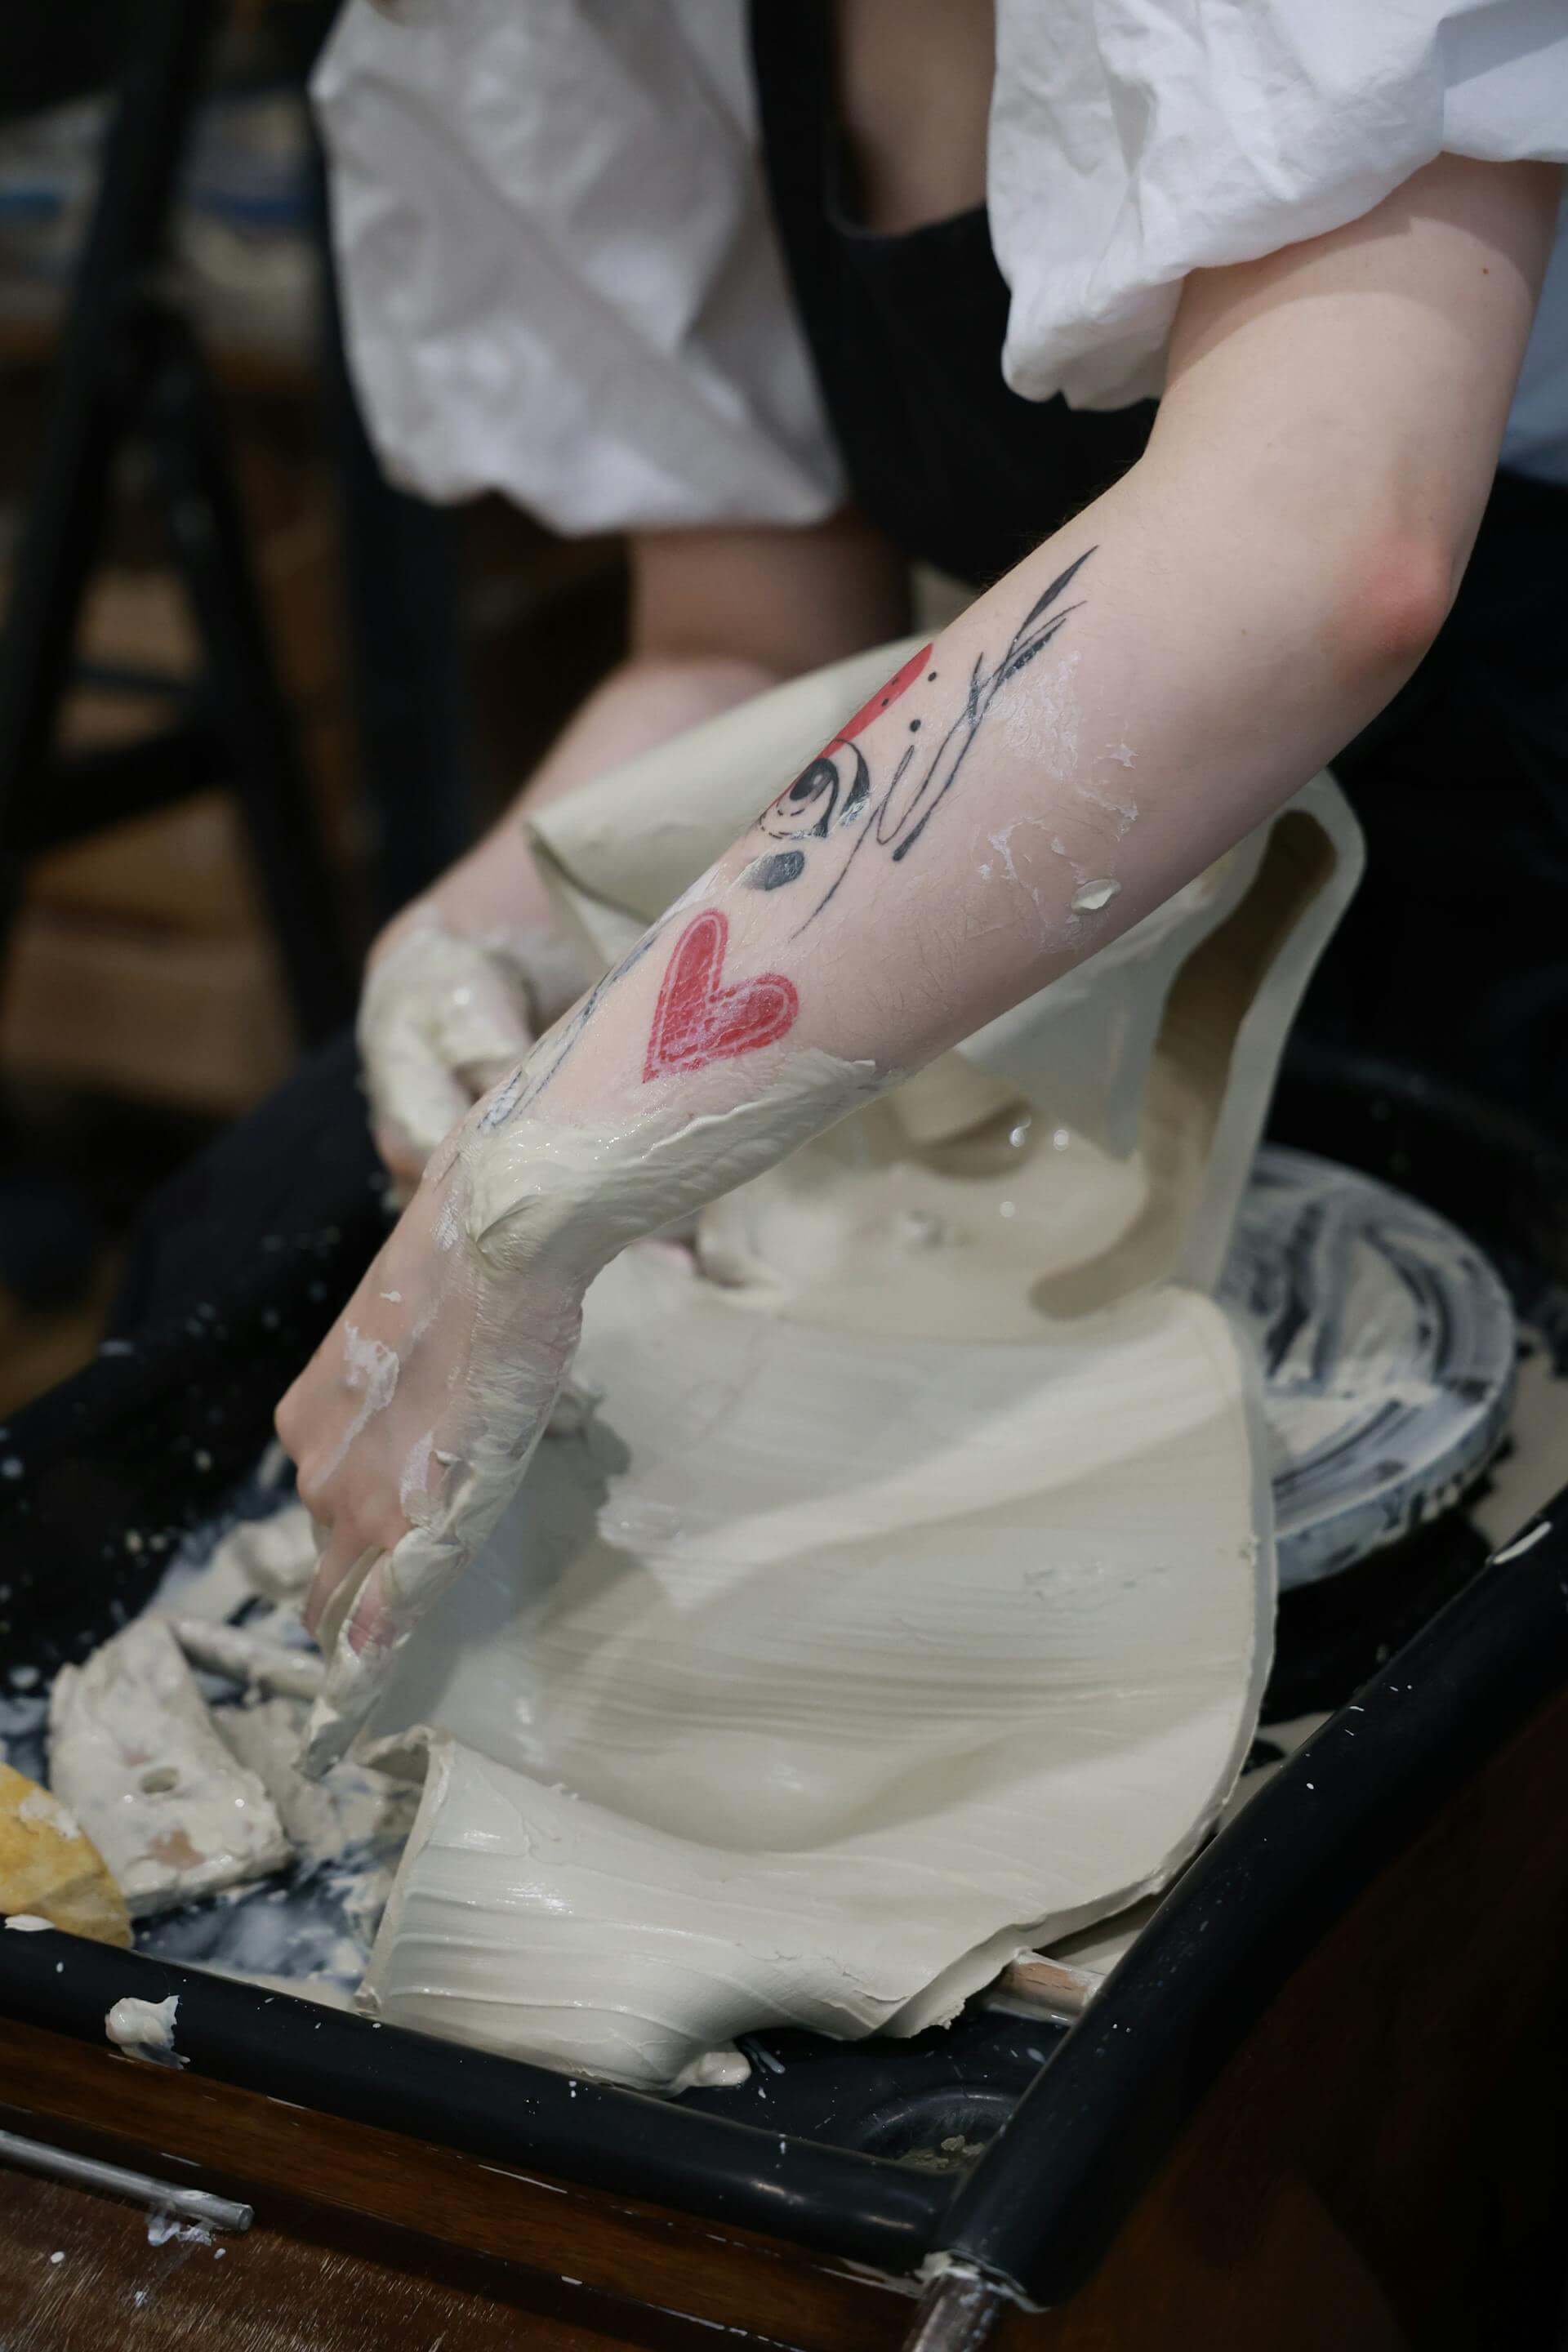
561,279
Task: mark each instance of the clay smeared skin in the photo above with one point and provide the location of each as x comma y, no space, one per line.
535,1207
445,1013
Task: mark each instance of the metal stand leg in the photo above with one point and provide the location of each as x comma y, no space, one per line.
97,383
400,583
47,1239
960,2312
122,345
246,703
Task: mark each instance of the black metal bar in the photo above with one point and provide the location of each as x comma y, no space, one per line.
122,347
247,707
1044,2203
412,716
864,2207
129,678
91,788
26,2155
96,386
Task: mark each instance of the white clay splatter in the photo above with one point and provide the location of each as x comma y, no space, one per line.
1002,842
1089,897
146,2028
1043,724
164,2227
413,1487
1123,810
372,1368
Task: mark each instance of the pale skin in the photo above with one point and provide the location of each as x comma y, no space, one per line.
1244,600
717,616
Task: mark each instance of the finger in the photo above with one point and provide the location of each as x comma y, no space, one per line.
481,1077
399,1589
340,1571
372,1625
365,1650
345,1595
482,1022
414,1092
404,1163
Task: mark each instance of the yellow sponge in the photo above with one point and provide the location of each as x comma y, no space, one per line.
49,1869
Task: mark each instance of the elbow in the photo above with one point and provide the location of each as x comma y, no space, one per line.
1395,597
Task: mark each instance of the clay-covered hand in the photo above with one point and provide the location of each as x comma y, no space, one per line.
445,1013
414,1422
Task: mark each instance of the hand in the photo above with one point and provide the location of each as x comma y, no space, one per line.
413,1423
446,1012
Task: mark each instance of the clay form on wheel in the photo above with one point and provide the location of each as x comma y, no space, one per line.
904,1598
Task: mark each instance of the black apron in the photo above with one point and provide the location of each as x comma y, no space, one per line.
906,335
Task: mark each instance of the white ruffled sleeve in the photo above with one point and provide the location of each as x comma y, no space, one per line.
559,271
1133,140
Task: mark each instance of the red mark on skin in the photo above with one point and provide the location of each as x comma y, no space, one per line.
696,1021
884,697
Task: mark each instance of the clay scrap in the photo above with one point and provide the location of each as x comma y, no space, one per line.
134,1753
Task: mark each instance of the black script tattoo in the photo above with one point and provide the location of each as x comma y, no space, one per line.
837,806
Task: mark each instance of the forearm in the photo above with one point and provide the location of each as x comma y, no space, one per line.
462,980
1093,732
717,616
643,701
1088,736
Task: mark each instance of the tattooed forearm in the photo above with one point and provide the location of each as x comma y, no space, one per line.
835,809
527,1083
836,806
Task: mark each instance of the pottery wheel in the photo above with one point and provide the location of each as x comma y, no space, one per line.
1387,1346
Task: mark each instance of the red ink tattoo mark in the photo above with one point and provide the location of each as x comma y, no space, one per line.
883,700
696,1021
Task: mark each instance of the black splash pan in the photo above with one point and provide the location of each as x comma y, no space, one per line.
243,1264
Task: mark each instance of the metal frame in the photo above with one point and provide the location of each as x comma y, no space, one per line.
1038,2212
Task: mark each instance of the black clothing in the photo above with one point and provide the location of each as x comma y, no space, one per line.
906,334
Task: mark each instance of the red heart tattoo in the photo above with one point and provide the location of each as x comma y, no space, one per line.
696,1021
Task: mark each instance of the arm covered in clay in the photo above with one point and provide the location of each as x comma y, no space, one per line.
460,982
1085,738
